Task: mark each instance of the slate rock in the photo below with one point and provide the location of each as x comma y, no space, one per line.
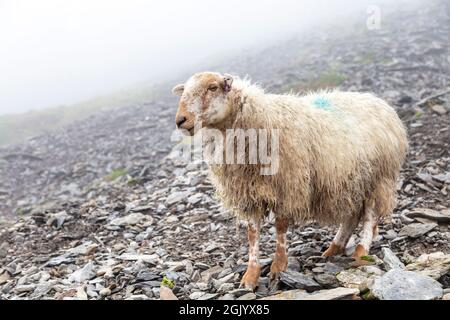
131,219
56,261
415,230
358,278
58,219
398,284
247,296
390,260
83,274
334,294
434,265
430,214
326,280
331,294
177,197
147,258
83,249
166,293
298,280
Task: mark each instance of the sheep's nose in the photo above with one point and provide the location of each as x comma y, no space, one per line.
180,121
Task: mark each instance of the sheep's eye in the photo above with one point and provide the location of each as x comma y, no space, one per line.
213,88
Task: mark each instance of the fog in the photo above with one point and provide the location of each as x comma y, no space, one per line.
56,52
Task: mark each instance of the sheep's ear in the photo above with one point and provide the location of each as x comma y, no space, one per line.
178,89
227,82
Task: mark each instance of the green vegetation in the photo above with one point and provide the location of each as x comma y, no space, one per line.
328,79
167,282
367,58
20,212
117,173
331,78
368,258
386,61
418,114
133,181
367,295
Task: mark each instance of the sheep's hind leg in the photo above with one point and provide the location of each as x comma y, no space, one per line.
368,232
280,260
251,276
342,237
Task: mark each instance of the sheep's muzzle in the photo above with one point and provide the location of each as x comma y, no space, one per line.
185,120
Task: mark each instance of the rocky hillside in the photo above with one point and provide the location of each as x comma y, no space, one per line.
102,210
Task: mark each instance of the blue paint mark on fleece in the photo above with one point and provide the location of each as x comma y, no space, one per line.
322,103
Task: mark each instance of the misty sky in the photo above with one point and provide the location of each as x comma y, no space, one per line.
55,52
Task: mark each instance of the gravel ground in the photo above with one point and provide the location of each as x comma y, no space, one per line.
107,212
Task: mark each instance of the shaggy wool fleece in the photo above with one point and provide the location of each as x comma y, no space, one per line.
338,151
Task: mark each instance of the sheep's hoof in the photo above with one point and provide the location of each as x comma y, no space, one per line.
358,256
359,252
250,279
333,249
279,264
274,280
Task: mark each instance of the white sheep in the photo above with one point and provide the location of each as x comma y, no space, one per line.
338,158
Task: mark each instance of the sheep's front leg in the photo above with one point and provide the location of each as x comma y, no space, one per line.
280,261
251,276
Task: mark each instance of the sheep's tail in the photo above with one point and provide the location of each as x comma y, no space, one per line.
384,197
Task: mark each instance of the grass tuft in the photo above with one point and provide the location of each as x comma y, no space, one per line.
117,173
167,283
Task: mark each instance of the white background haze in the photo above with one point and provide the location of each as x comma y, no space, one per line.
55,52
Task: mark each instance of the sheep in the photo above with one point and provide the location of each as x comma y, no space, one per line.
339,156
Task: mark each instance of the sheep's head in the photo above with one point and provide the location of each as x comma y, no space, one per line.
203,101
